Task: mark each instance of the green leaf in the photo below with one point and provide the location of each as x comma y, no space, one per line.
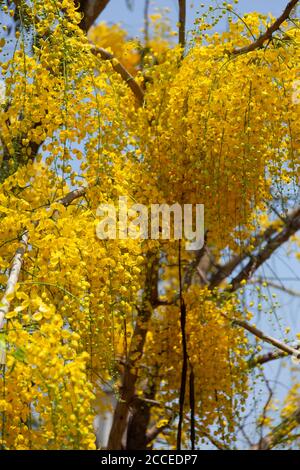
19,355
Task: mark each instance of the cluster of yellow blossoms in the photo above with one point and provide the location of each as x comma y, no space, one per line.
216,353
214,128
223,127
74,291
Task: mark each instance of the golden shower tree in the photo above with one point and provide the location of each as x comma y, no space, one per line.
89,115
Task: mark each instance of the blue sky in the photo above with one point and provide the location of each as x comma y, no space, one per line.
117,10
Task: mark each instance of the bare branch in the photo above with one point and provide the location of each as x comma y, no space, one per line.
70,197
268,357
266,338
121,70
154,432
265,358
225,270
292,225
256,260
292,221
268,34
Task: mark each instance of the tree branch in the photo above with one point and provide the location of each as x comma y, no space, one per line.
71,196
266,338
226,269
146,22
130,374
90,10
271,238
122,71
219,445
19,255
155,431
265,358
291,226
13,278
268,34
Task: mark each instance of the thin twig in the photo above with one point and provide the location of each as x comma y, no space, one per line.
282,288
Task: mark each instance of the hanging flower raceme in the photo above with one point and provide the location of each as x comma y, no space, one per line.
217,352
215,128
223,127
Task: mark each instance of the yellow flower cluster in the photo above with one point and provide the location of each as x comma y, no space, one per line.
214,129
217,353
221,128
46,398
75,291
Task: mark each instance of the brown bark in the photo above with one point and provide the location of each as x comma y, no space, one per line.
90,10
139,422
121,70
130,374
